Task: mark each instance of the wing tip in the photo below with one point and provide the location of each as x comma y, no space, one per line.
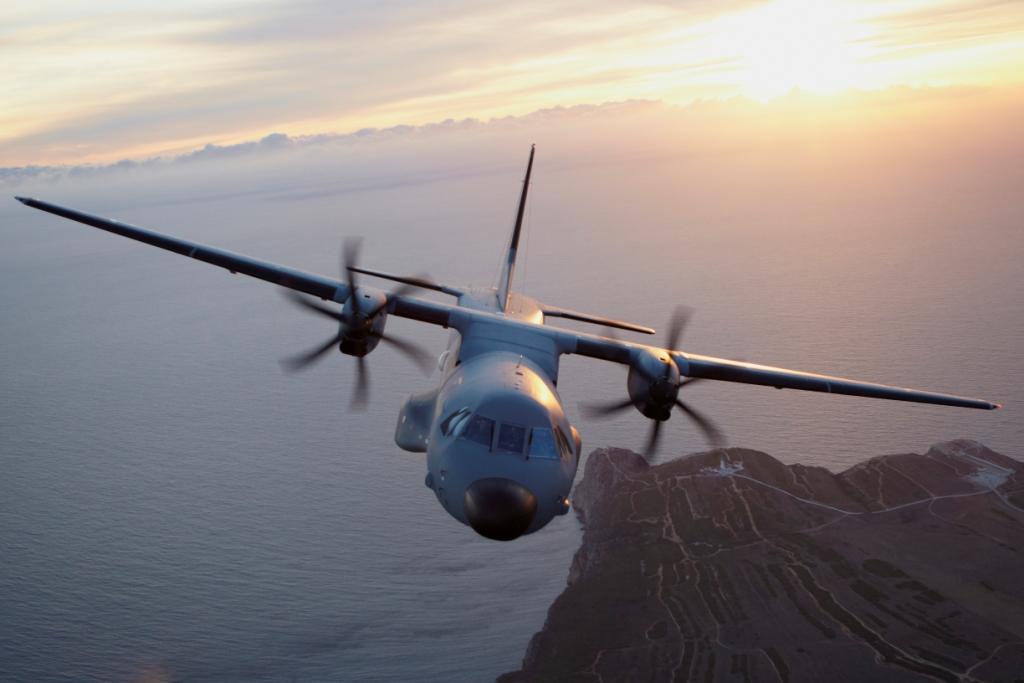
24,200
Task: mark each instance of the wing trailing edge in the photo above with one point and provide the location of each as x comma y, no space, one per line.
724,370
315,285
707,367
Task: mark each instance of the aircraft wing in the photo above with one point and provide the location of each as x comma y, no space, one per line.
709,367
326,288
318,286
564,341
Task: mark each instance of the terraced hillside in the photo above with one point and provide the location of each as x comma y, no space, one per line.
730,566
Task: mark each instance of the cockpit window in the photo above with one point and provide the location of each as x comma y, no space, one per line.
511,438
479,429
570,444
452,422
563,443
542,444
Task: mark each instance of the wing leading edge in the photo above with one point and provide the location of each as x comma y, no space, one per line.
324,288
707,367
724,370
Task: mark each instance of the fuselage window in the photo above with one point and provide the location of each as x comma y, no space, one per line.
452,422
542,444
479,429
511,438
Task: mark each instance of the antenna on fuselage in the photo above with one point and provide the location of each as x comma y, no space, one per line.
509,266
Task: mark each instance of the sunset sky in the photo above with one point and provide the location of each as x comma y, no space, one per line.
96,82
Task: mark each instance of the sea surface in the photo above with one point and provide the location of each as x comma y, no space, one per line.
175,507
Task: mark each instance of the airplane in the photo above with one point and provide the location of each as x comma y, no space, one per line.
501,452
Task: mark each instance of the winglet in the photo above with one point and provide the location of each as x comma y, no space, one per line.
509,266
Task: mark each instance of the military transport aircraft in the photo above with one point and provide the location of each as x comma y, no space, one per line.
501,453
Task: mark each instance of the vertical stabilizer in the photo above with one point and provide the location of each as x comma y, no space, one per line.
509,266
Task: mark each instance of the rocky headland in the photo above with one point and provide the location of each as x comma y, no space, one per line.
730,566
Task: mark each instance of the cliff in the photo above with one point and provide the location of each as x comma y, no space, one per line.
729,565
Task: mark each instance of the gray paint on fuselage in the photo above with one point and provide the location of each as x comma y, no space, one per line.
509,376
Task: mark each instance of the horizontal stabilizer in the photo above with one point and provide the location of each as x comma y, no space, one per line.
421,282
552,312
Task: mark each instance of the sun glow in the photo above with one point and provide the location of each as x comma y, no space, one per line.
808,45
98,81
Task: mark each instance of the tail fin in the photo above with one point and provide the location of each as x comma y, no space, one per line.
509,266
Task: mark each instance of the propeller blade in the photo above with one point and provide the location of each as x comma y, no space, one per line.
711,431
312,306
349,260
416,353
605,409
350,254
409,285
677,325
307,358
653,436
361,391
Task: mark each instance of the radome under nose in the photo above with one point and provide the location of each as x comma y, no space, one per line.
499,509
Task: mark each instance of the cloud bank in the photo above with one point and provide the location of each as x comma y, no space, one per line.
801,123
129,80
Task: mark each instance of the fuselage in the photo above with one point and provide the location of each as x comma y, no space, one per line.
501,454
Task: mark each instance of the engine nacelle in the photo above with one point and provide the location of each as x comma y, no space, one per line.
653,383
364,321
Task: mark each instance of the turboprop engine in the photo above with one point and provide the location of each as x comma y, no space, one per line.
361,322
363,318
653,384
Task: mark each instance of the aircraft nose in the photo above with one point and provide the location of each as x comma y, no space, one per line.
499,509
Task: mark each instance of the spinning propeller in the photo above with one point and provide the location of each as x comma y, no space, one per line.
360,325
654,390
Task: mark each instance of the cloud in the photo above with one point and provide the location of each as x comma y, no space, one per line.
123,80
728,148
380,158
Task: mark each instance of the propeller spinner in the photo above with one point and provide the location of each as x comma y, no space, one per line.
360,325
654,386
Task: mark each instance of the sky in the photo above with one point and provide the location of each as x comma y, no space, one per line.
130,79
